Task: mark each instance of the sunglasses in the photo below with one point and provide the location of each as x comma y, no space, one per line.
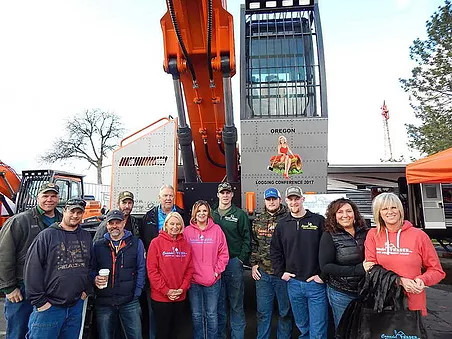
76,202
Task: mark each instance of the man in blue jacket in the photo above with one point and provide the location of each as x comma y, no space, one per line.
117,295
57,276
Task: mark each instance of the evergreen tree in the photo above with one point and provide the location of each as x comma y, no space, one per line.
430,85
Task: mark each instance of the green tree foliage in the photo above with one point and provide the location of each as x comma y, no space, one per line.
430,85
90,136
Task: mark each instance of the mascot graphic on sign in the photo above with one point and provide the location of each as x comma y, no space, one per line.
285,162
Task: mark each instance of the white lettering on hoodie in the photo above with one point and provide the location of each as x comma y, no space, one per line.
391,249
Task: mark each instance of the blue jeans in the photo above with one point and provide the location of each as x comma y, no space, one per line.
56,322
17,316
232,291
309,307
267,287
151,319
339,302
128,315
203,304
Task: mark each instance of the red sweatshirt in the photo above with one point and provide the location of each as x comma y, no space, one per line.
169,266
405,252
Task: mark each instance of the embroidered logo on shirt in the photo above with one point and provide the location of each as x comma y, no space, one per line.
202,239
174,253
231,218
309,226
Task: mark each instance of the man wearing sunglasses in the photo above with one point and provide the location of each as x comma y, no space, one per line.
57,279
16,237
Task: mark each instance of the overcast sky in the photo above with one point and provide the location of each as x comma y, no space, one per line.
60,58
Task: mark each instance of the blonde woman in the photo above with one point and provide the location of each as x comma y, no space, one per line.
170,271
406,250
285,153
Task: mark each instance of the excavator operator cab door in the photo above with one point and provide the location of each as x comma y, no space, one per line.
69,188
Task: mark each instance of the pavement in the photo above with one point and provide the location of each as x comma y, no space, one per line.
438,321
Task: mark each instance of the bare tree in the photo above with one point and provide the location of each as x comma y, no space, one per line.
90,136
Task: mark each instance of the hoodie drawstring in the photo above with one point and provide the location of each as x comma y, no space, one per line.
397,241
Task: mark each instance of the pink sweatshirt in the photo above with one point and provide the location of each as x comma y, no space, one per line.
405,252
209,252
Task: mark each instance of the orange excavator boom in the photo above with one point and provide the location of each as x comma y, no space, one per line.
199,54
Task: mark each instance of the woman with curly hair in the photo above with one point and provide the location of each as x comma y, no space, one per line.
341,254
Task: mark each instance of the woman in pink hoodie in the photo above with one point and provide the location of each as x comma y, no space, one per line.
406,250
210,256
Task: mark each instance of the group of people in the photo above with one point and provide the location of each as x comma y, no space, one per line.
49,265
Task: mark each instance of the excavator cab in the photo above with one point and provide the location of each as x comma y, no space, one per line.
71,186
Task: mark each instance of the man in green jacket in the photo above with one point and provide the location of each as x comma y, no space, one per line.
236,227
16,237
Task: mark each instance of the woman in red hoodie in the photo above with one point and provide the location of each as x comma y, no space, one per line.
398,246
170,271
210,257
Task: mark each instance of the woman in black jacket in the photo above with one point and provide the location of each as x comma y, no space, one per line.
341,254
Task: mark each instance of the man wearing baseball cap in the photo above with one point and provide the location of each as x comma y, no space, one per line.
125,205
236,227
269,285
294,253
117,305
16,237
57,277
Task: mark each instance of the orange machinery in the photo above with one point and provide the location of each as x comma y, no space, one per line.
199,54
23,192
9,186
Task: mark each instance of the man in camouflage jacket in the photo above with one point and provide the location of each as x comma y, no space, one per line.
268,285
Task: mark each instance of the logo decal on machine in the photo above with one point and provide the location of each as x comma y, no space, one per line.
144,161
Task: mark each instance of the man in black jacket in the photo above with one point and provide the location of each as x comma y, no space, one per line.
152,224
294,253
16,237
57,276
125,205
154,218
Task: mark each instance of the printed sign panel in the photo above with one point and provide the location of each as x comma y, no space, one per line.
284,152
144,165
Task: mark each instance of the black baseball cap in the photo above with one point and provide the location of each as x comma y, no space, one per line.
75,203
114,215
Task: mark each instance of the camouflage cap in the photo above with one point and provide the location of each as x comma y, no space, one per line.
114,215
75,203
224,186
125,195
294,190
49,186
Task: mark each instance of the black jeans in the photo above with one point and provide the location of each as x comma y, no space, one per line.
166,317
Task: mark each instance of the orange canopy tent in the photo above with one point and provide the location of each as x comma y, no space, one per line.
436,168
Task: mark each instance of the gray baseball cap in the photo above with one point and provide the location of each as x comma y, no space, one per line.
294,190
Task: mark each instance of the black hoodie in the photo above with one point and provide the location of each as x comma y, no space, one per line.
57,267
295,245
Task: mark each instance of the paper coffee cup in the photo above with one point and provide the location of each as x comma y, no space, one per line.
104,272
